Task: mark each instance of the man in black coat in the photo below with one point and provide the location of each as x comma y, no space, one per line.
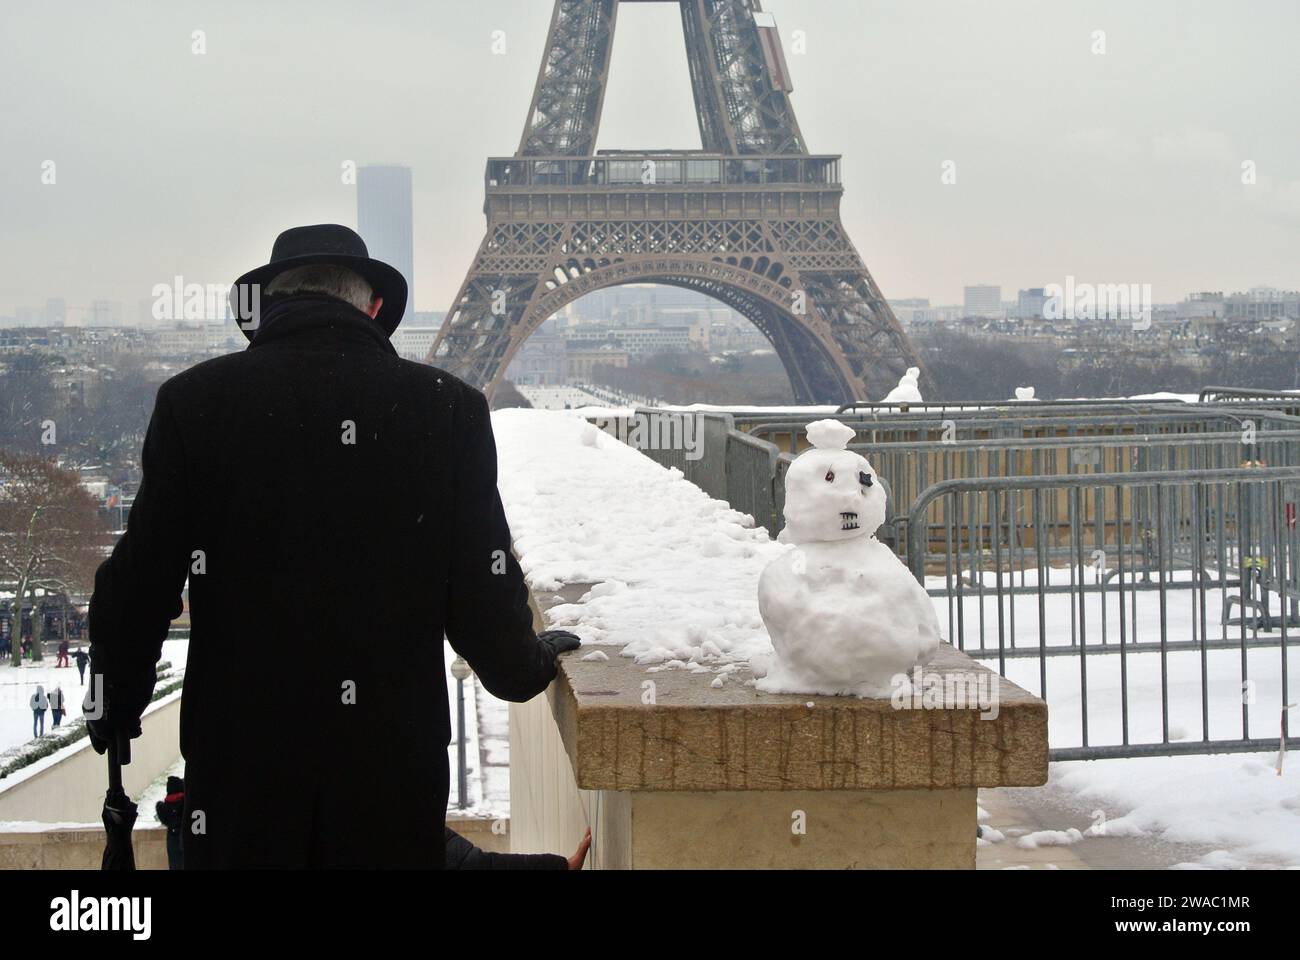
321,495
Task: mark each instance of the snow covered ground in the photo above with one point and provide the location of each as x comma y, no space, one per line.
676,575
559,398
1236,803
17,684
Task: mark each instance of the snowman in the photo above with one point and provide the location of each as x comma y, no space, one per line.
845,616
908,389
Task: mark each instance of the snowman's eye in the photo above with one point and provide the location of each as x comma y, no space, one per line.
865,479
830,476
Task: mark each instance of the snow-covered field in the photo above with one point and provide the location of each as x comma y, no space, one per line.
17,684
585,507
1236,803
559,398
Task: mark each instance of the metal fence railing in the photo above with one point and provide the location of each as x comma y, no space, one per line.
1284,401
1155,616
913,467
942,406
789,433
746,467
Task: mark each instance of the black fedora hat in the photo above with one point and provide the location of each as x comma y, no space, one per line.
326,244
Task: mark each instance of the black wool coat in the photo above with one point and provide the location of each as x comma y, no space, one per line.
463,855
335,510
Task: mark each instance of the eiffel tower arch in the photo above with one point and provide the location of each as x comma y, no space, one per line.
751,219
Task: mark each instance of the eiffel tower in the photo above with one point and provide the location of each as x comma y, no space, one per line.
752,219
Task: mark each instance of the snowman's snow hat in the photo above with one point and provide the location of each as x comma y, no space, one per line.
829,434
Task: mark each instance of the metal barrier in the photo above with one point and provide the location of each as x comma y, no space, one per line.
751,469
941,406
747,468
1122,610
913,467
1285,401
1023,409
788,433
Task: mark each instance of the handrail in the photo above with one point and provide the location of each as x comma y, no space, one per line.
915,532
1212,394
1237,413
904,406
1109,440
666,168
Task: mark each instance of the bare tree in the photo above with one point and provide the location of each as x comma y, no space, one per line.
27,399
51,535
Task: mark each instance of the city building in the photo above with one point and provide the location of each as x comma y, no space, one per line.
648,341
384,220
582,359
542,361
414,342
56,312
1030,303
983,300
1263,303
911,309
104,313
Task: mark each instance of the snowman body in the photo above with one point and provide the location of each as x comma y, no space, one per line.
844,615
908,389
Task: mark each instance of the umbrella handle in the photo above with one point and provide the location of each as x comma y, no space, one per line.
119,754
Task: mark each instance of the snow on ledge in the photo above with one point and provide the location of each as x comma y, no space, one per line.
675,570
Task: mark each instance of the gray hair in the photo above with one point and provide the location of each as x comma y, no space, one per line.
347,285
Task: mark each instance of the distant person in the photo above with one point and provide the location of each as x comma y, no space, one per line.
316,466
58,706
26,647
171,814
463,855
82,659
40,703
62,660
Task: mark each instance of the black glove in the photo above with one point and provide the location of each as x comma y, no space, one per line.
558,641
120,712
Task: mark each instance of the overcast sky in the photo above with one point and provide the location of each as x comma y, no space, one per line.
1119,167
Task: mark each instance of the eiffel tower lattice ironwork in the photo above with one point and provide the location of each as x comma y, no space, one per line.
752,219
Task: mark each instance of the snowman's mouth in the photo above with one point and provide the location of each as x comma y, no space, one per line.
849,520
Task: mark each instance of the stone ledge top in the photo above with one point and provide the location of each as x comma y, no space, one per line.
698,737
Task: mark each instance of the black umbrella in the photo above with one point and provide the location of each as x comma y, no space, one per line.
119,811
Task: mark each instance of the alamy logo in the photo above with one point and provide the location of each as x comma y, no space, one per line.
947,690
658,431
72,913
1099,301
179,300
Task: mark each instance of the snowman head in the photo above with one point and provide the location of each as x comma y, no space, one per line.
831,493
